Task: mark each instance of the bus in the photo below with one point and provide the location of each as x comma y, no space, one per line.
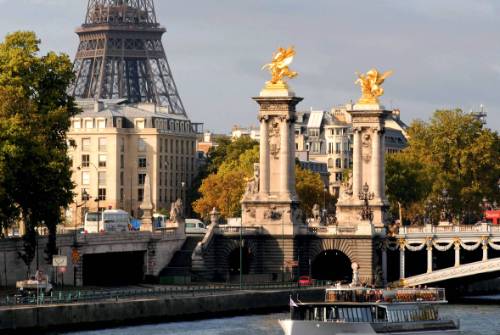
159,221
115,220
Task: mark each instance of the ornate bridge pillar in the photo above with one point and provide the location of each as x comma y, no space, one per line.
273,204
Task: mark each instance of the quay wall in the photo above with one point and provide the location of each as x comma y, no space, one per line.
162,309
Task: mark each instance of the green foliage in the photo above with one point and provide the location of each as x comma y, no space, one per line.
451,151
34,118
310,190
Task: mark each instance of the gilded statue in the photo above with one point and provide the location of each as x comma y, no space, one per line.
371,86
279,67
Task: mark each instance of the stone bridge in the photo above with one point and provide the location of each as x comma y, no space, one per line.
467,250
145,254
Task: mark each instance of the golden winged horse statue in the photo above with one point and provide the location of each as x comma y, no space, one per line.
371,86
279,67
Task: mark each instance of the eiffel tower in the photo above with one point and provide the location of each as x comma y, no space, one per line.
121,56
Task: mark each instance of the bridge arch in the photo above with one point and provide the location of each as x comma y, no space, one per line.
333,265
230,255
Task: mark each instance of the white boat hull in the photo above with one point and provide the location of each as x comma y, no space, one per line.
295,327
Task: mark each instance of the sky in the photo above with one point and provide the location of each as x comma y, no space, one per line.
444,53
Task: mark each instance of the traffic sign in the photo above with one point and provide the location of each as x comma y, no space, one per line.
59,261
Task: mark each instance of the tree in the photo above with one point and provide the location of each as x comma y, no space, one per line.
226,150
225,188
34,118
456,152
406,183
310,189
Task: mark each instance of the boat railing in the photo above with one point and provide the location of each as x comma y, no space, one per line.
404,295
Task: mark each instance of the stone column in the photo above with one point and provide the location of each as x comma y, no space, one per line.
457,253
384,263
376,163
285,159
357,163
485,249
264,156
429,258
382,164
402,260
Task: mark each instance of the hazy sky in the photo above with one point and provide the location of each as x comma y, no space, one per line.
445,53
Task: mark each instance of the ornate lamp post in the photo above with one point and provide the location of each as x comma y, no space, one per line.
366,196
445,200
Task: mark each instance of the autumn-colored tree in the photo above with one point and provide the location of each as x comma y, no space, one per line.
452,151
310,190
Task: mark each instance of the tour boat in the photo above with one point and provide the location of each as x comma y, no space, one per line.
352,310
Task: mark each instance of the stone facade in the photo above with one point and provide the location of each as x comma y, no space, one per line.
115,146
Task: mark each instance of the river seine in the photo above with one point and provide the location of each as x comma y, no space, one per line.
474,320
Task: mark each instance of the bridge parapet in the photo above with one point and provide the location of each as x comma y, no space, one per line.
476,230
308,230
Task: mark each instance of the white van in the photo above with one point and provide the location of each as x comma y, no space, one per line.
159,221
115,220
195,226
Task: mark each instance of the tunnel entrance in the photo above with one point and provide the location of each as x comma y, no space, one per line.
113,269
234,261
332,265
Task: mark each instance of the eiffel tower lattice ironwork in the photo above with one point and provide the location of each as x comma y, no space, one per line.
121,55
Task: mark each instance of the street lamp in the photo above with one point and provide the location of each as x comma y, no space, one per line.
366,196
484,206
183,193
445,199
325,190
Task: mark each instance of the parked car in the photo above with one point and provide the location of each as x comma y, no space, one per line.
195,226
305,281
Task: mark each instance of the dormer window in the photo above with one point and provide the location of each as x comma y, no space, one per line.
101,123
89,123
119,123
139,123
77,124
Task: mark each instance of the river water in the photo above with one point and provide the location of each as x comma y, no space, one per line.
474,319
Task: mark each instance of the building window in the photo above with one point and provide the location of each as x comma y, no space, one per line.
122,162
102,194
122,178
316,147
89,124
85,194
314,132
77,124
122,145
338,176
86,144
102,161
140,194
122,194
141,145
330,162
85,161
103,144
101,124
119,122
337,147
338,163
141,177
142,162
102,178
85,178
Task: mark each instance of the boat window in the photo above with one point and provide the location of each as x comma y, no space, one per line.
341,314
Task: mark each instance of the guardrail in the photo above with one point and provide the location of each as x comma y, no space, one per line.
480,228
69,297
